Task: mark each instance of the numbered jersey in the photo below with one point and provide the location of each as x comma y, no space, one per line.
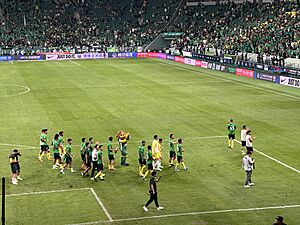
231,128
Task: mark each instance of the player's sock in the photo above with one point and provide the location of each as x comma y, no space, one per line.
109,166
141,170
145,175
229,143
172,161
42,155
72,170
182,163
232,143
48,156
176,166
98,174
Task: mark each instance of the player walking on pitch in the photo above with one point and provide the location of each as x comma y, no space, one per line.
249,141
142,158
15,166
44,145
231,127
243,138
172,150
180,156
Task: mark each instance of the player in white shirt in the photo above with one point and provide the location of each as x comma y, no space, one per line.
249,141
243,138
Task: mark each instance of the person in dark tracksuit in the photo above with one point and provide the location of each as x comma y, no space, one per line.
153,192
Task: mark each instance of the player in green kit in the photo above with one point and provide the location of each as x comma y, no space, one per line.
44,145
172,150
231,127
100,165
142,158
180,156
68,157
111,155
82,149
149,161
57,158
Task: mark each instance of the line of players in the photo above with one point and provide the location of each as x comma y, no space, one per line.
92,154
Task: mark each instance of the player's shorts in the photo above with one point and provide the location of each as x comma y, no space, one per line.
57,156
14,167
157,155
44,148
179,159
231,136
249,149
100,167
243,143
111,157
142,162
68,159
83,157
88,164
172,154
150,166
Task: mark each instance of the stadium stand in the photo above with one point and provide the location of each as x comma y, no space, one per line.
129,25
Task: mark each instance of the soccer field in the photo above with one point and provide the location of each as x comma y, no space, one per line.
97,98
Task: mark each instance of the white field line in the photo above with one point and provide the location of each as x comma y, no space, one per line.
101,205
15,85
46,192
15,145
226,79
192,213
270,157
78,64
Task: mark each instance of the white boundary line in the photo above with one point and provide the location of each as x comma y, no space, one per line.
15,145
192,213
47,192
102,205
225,79
270,157
78,64
15,85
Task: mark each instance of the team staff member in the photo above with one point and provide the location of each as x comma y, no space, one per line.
153,192
279,221
248,164
15,166
249,141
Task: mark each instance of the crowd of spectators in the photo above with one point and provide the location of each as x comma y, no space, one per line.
261,28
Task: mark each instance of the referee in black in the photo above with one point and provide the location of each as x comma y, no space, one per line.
153,192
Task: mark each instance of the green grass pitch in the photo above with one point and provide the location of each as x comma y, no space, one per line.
146,97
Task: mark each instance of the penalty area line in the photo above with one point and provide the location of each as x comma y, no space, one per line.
191,213
272,158
101,205
47,192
